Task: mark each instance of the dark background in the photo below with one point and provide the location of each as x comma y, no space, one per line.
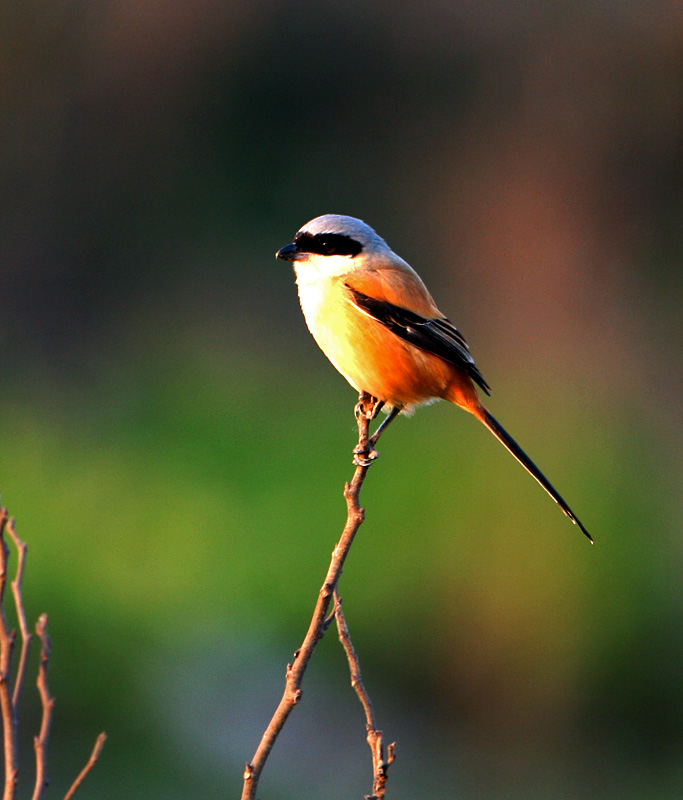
174,446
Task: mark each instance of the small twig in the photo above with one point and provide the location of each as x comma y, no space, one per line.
48,703
9,722
97,749
21,616
365,411
380,766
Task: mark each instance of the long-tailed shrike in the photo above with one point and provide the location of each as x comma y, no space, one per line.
375,320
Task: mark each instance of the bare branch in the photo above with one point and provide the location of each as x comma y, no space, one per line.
9,699
21,616
380,766
366,410
97,749
9,722
47,702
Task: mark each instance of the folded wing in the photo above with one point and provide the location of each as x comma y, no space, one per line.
437,336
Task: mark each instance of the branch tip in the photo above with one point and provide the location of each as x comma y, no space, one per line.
94,756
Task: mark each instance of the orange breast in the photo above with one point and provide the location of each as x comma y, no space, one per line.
371,357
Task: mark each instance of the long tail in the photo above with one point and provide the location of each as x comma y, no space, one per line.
504,437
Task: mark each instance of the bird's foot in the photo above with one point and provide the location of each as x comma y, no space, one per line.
364,455
367,407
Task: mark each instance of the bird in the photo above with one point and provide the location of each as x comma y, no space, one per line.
375,320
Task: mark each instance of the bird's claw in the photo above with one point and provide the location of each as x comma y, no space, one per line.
364,455
361,412
368,407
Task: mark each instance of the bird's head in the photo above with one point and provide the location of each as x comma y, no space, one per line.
333,244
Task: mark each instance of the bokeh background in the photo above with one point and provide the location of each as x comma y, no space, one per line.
174,446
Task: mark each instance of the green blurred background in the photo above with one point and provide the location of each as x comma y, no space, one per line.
174,446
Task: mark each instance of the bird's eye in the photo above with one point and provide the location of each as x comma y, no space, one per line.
327,244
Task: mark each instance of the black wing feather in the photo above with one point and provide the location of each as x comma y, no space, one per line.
437,336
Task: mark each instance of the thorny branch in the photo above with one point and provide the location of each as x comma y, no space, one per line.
364,455
9,697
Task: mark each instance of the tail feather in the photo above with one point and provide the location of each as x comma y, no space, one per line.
504,438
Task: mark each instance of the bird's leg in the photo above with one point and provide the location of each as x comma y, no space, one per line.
391,416
366,410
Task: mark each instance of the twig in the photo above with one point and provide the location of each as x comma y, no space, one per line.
21,616
380,766
364,454
97,749
9,699
9,722
48,703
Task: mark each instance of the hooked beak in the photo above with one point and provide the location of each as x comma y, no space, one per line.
290,253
